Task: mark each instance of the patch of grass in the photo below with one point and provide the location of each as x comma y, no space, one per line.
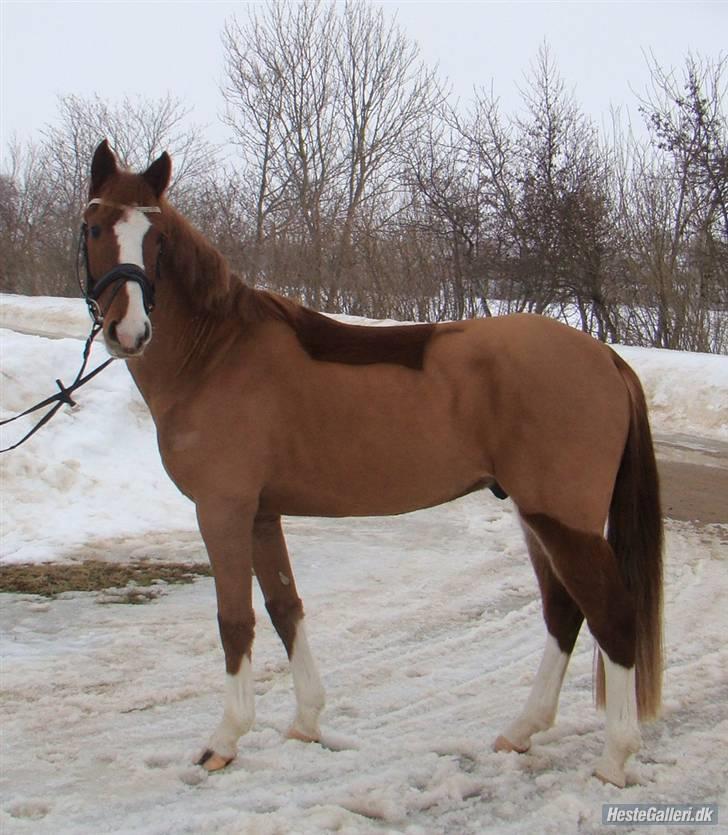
51,579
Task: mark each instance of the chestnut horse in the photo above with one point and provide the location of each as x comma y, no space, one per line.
265,408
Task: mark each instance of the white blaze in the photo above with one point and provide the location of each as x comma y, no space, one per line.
130,232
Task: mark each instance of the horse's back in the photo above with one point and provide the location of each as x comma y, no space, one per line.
530,340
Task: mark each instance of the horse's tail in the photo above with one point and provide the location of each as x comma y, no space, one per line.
635,534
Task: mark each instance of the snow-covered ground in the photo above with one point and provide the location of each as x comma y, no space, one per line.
427,628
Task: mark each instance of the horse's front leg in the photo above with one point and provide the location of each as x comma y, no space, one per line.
273,570
226,528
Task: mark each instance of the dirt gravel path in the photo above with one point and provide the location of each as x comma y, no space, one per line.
693,478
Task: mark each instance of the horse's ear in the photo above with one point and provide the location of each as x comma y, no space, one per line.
159,173
103,166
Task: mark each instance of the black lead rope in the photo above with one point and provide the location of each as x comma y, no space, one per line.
63,396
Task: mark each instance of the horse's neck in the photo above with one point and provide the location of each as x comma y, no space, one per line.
183,342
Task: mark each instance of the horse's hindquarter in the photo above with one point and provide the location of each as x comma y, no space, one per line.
563,411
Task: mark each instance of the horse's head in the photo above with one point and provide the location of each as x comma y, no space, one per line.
122,239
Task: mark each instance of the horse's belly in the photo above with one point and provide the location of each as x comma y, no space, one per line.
358,483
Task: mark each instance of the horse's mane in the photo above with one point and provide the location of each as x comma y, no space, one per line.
212,288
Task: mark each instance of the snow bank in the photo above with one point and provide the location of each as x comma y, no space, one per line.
687,393
93,473
50,317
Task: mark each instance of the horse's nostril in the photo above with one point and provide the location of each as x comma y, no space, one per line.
112,332
147,331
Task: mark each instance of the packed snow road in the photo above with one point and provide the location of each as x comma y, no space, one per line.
428,632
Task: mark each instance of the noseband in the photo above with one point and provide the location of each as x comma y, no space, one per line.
117,276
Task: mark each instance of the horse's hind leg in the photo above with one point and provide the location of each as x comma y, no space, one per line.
585,563
563,620
273,570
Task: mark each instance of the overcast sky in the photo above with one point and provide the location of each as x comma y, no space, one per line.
49,49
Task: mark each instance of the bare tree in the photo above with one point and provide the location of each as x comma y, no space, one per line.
279,105
386,98
322,105
562,207
360,187
690,124
448,211
138,129
29,230
676,208
525,203
47,185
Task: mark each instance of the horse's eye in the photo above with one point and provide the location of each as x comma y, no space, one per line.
95,231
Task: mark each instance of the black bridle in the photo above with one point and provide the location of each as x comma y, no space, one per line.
116,278
92,289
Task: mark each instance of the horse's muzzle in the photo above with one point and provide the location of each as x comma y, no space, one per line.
126,326
123,341
125,322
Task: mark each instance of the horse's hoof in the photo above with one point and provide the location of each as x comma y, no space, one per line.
213,762
502,743
611,775
294,733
